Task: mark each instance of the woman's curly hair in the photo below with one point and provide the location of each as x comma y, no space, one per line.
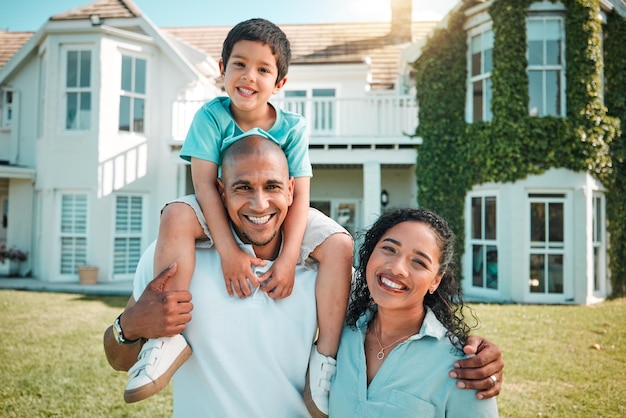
446,302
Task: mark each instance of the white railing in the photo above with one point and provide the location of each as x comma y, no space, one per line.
358,120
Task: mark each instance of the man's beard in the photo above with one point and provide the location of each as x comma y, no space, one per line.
258,243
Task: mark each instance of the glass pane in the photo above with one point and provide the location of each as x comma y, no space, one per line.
85,68
537,273
477,265
537,222
477,87
72,110
597,227
556,222
295,93
596,269
138,115
555,273
323,92
476,64
121,214
488,57
490,217
553,29
140,76
553,94
553,53
124,113
534,30
477,218
85,110
492,267
535,91
72,69
535,52
488,95
127,70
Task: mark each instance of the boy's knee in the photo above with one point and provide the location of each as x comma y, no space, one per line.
336,246
177,215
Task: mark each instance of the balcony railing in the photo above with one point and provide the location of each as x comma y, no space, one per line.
363,120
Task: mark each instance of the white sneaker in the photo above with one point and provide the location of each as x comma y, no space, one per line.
157,362
317,386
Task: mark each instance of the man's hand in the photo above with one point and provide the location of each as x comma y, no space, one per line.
475,372
158,313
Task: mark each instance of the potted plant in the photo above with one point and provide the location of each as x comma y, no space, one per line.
10,259
87,274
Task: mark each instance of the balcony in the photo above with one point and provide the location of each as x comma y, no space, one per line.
365,122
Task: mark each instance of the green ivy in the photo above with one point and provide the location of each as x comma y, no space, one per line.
456,155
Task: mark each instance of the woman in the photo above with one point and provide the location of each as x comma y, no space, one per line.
405,325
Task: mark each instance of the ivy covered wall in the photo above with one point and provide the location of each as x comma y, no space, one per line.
456,155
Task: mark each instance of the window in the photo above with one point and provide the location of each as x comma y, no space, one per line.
78,90
316,105
483,242
7,108
133,94
128,234
481,66
73,232
546,71
547,243
598,242
344,211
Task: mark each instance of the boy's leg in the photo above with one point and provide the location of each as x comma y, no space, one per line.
332,290
333,251
159,358
178,231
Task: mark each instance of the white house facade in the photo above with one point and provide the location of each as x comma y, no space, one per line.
97,102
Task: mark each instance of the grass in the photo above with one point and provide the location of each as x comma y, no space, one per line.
52,362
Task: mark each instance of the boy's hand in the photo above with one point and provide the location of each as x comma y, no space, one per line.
475,372
237,268
277,282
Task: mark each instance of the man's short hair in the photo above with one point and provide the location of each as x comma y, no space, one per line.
263,31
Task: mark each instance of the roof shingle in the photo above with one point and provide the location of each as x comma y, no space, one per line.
325,43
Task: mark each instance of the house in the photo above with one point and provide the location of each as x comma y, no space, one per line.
96,103
520,110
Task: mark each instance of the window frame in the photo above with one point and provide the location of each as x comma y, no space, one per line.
78,90
121,263
484,77
482,241
80,248
598,243
132,94
320,111
544,68
7,107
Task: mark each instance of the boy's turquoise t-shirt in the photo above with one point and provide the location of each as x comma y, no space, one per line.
213,129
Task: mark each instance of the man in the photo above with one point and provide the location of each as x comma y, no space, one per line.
249,355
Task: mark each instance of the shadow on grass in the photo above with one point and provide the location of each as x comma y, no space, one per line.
111,301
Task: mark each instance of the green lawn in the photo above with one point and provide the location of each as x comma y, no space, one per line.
52,363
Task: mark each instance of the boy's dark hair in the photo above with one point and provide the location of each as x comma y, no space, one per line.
264,31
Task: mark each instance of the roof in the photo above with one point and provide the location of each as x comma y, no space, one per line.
10,43
326,43
103,8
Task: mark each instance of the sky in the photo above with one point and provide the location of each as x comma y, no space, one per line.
30,15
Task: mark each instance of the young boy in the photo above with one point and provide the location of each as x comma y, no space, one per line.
254,62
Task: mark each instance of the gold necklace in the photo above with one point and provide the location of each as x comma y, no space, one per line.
381,354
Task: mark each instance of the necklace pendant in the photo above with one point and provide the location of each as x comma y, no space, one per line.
380,355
